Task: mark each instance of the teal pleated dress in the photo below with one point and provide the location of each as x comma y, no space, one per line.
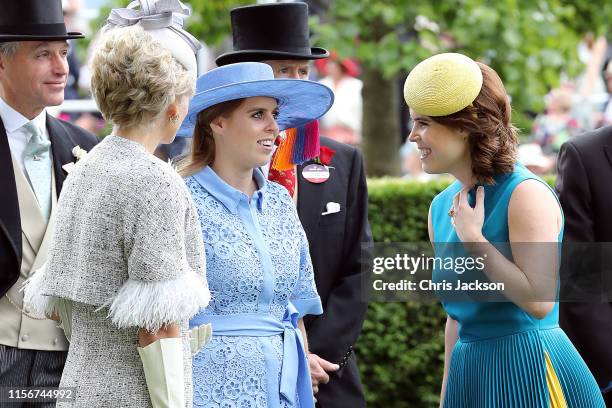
504,357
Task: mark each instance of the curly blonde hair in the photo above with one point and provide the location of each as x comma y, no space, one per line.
134,79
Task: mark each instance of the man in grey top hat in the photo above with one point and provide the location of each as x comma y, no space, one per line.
36,152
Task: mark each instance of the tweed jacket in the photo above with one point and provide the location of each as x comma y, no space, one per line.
127,236
126,253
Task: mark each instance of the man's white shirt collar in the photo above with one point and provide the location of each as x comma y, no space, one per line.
14,120
18,137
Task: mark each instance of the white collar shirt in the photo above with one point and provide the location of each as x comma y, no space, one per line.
18,137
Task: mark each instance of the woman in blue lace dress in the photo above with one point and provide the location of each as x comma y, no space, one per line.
503,349
258,266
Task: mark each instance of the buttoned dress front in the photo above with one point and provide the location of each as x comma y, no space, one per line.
261,280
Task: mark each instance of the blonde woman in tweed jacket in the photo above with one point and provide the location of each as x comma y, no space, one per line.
126,264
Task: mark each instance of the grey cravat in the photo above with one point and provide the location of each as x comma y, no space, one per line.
37,163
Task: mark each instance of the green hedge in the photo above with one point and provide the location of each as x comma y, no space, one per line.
401,348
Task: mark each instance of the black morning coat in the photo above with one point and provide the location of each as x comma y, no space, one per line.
584,185
64,137
339,263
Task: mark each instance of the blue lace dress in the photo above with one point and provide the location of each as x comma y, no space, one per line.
261,280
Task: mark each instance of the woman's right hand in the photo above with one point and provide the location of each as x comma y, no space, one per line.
466,220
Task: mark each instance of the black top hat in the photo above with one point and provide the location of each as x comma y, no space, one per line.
275,31
33,20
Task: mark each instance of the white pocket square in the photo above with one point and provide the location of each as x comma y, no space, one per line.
68,167
331,208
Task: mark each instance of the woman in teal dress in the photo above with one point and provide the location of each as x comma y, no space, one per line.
509,352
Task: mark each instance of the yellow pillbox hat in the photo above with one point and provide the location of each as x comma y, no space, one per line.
443,84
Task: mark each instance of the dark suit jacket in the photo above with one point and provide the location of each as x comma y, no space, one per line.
339,264
584,185
64,136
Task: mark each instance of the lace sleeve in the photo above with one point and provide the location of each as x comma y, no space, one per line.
305,297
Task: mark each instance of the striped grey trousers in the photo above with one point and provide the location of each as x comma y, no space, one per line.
30,368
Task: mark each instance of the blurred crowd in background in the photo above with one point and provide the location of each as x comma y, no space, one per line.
577,105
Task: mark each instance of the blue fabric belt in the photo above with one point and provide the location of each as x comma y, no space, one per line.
295,375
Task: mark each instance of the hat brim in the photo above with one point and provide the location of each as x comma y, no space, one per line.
262,55
299,101
67,36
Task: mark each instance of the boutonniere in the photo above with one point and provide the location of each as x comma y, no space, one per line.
78,154
326,154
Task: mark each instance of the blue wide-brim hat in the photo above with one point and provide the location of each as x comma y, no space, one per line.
299,101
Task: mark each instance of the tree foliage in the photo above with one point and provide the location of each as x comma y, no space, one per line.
529,43
210,20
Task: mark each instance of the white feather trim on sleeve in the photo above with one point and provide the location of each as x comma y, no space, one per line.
151,304
32,294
